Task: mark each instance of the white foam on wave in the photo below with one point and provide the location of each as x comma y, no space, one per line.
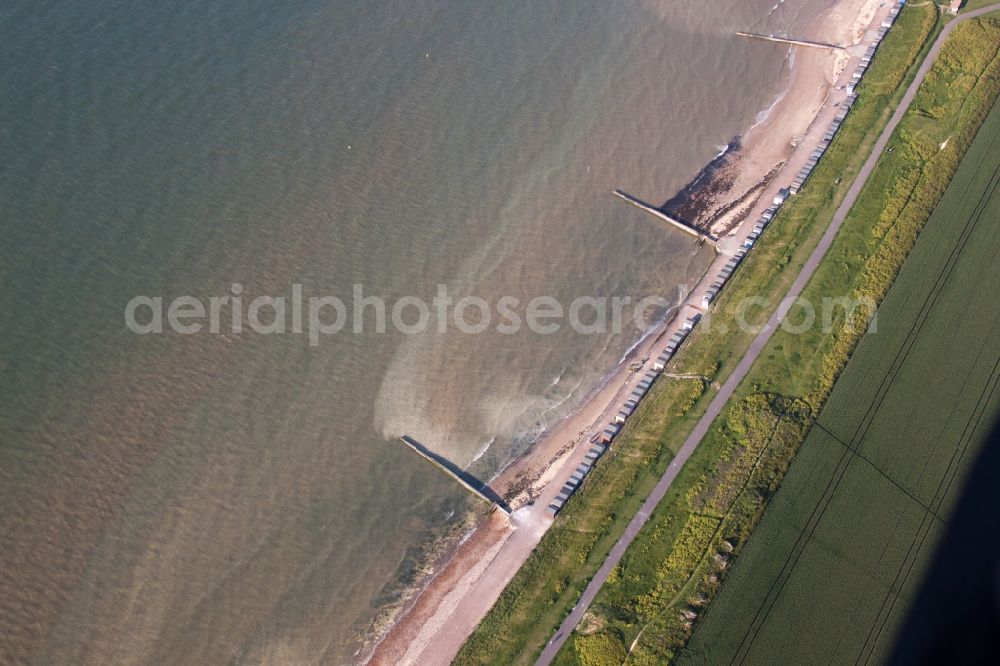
764,114
777,6
635,345
559,403
483,449
655,325
562,373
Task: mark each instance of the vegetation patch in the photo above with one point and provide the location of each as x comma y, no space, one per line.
603,649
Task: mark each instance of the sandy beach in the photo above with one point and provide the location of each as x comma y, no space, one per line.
432,629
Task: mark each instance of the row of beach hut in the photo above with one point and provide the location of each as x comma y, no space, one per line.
576,478
727,271
806,171
821,147
869,54
849,101
600,442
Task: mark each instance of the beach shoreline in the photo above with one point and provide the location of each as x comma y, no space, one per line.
435,623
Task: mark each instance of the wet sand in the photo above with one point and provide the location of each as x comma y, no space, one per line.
433,628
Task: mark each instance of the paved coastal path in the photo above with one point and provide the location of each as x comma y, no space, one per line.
715,408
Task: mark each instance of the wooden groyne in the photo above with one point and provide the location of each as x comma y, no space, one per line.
790,40
466,480
653,210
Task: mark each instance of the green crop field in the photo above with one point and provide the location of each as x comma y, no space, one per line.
831,568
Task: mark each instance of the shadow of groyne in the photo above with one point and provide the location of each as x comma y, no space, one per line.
675,222
468,481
